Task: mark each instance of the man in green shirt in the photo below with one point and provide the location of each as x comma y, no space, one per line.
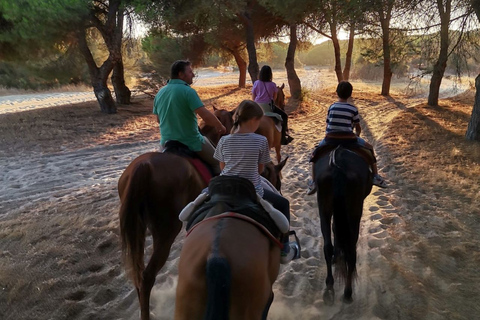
177,105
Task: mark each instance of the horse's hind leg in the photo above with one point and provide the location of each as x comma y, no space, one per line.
277,152
325,222
163,235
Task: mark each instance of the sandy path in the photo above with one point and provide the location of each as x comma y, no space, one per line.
60,254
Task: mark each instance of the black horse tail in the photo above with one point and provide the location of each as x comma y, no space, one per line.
133,222
219,279
344,239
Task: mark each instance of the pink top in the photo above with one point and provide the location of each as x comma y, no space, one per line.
264,91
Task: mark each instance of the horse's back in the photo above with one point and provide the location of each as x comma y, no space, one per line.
162,176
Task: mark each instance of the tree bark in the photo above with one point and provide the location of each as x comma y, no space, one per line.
293,80
242,67
441,64
387,69
112,33
252,51
98,76
122,92
473,129
336,49
348,54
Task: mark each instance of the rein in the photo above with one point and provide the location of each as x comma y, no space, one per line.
332,162
241,217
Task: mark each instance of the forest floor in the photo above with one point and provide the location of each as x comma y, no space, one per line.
419,246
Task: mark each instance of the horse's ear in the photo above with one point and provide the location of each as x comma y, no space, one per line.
279,167
283,86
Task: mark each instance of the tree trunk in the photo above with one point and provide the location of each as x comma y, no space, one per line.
252,51
336,49
441,64
473,130
242,66
122,93
387,69
348,55
293,80
98,76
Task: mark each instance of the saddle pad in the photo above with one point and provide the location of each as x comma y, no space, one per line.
202,169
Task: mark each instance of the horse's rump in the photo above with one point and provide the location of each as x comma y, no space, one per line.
349,144
246,260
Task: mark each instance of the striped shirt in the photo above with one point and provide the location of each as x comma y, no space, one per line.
341,117
242,153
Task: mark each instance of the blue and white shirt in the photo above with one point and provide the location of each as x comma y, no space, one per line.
242,153
341,117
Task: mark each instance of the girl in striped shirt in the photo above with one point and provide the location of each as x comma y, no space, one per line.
244,153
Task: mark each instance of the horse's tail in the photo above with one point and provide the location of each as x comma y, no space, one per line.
219,278
133,222
345,243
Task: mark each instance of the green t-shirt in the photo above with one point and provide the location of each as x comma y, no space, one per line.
175,106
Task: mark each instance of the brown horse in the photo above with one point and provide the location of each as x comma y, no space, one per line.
153,189
268,129
280,100
227,269
267,126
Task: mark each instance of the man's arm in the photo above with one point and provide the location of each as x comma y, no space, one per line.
210,119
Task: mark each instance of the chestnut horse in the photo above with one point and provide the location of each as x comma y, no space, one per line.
266,128
153,189
343,181
226,271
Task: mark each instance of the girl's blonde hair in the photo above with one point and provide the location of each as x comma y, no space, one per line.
246,110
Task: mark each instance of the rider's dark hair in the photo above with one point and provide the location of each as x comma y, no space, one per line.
177,67
344,90
265,74
246,110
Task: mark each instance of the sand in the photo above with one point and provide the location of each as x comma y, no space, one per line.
419,247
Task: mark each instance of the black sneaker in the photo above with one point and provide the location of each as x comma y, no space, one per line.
286,140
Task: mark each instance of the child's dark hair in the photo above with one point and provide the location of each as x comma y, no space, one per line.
265,74
344,90
246,110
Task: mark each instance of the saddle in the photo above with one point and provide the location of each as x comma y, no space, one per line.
232,194
347,142
179,149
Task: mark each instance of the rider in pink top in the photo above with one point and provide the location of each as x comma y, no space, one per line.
264,92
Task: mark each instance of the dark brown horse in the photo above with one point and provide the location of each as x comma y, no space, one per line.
343,182
226,271
153,189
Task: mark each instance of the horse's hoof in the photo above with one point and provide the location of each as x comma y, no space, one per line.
347,299
329,297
